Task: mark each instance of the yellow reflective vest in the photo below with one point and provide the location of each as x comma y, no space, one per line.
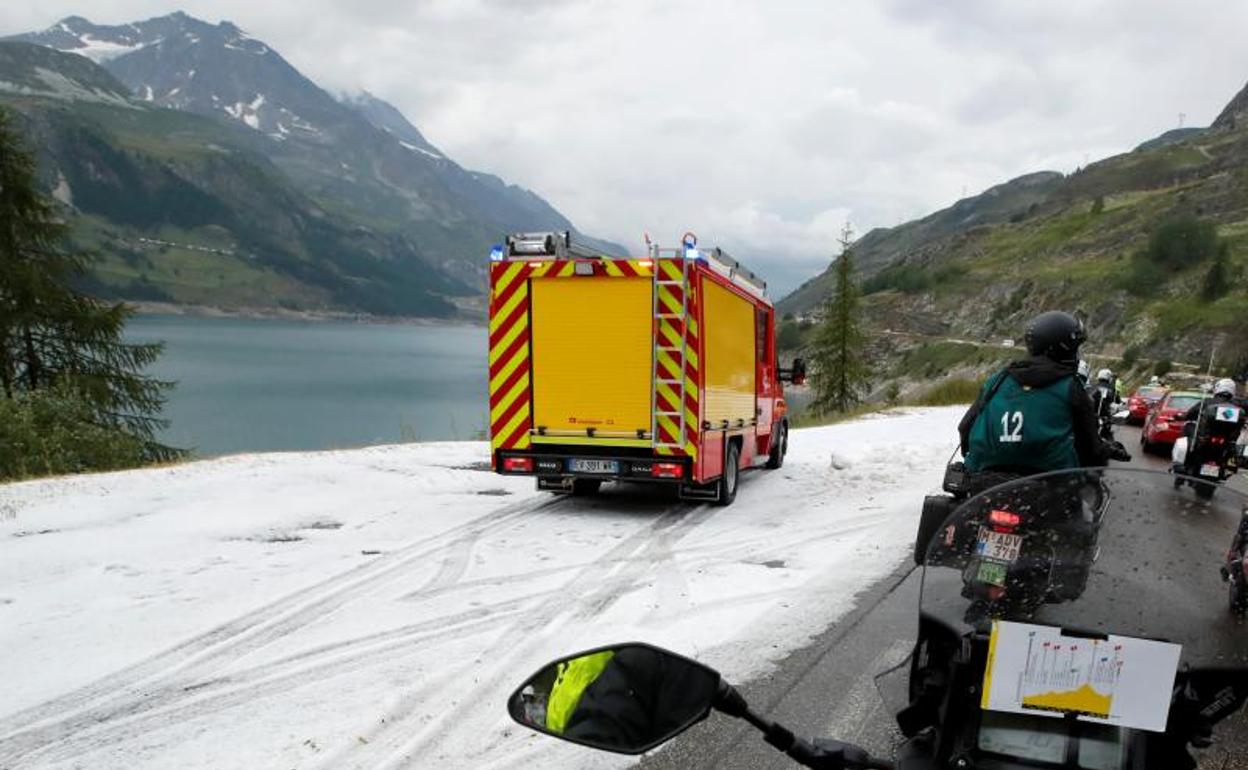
570,682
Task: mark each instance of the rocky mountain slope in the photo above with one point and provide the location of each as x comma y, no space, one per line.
354,161
1150,246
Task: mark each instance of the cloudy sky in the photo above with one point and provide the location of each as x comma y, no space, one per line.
763,126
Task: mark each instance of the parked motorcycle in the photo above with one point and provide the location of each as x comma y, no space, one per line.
1130,673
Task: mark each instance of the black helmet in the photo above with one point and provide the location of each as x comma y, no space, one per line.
1057,335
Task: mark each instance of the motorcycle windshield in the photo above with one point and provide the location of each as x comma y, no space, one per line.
1107,552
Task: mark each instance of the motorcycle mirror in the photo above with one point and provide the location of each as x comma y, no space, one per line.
627,698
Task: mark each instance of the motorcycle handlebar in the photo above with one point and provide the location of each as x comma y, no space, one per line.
828,754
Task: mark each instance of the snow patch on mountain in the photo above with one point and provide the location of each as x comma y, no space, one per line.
246,112
421,150
100,51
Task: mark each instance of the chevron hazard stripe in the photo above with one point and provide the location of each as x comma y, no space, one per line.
511,396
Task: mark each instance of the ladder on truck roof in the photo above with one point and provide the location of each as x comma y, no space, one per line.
678,354
667,318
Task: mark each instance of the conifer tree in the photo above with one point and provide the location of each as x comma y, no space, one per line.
839,368
54,337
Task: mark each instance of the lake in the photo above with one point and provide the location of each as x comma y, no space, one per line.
262,384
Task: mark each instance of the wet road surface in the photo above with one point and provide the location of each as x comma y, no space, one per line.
829,689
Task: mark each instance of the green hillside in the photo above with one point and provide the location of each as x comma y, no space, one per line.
1149,246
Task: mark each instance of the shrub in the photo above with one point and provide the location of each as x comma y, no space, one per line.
958,390
909,279
1143,277
50,432
1130,356
1182,241
1217,280
1163,367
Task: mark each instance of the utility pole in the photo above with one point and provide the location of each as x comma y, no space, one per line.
1213,353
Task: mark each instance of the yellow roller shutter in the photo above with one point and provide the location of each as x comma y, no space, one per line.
592,346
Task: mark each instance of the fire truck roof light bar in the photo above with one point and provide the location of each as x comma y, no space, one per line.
718,259
557,245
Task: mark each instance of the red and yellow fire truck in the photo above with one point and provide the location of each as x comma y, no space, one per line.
660,368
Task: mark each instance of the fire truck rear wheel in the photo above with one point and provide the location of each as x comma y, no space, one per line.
732,475
585,487
779,446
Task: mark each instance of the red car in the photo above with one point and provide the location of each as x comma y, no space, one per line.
1140,403
1164,423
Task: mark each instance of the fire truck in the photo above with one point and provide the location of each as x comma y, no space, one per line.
658,369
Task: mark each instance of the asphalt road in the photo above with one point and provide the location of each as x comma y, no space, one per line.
829,689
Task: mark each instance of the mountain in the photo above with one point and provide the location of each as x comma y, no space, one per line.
185,209
387,117
1151,246
357,160
1235,114
882,247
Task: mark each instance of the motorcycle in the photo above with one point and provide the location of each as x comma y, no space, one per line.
1131,673
1204,465
959,485
1236,571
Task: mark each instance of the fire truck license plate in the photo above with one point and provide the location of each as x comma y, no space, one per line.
593,466
1209,469
998,546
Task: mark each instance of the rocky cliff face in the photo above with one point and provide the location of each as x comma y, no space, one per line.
1235,115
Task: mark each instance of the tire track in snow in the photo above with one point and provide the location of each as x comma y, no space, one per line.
630,562
259,627
92,729
178,704
611,576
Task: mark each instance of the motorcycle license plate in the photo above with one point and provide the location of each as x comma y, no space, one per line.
991,572
999,546
593,466
1209,469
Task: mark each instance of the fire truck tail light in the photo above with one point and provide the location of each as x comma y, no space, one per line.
518,464
667,471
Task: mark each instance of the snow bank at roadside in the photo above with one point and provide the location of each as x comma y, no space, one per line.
373,608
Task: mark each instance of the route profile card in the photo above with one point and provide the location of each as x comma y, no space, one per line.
1118,680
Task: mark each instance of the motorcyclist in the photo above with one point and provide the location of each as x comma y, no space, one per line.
1034,416
571,680
639,697
1104,396
1213,425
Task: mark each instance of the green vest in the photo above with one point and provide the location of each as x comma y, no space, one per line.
1023,427
570,683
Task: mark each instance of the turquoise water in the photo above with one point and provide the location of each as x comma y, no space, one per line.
248,384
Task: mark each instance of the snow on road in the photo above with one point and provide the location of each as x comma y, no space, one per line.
375,607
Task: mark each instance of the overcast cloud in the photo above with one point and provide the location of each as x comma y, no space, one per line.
763,126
